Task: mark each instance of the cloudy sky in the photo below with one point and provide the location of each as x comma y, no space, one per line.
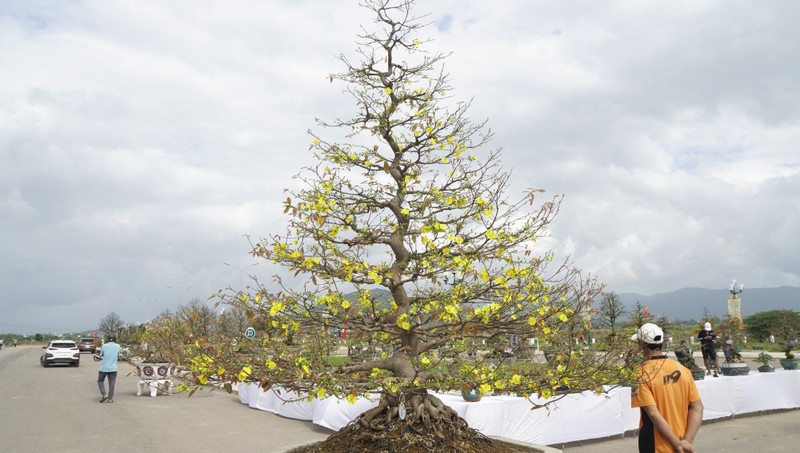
141,141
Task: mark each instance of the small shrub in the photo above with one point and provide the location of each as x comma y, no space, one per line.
764,359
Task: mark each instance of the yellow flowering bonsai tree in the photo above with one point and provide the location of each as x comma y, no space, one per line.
404,237
163,340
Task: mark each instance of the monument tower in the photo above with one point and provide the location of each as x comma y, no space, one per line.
735,301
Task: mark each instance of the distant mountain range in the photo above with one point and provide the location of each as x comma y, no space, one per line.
689,303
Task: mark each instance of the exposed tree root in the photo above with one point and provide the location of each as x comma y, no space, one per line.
429,426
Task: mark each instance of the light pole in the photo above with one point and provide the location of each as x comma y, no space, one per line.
241,270
734,290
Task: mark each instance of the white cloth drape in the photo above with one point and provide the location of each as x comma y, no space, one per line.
575,417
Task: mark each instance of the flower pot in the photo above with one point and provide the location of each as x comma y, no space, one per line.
471,395
766,369
148,371
698,375
155,378
789,364
735,369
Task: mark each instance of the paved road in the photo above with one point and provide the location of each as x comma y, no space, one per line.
56,409
776,432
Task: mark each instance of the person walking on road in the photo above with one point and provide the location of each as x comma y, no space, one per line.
670,406
109,354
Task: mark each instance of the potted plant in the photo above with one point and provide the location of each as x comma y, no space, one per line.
732,330
686,358
764,360
787,326
790,362
734,366
157,357
470,392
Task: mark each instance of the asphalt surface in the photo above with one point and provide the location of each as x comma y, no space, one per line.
56,409
775,432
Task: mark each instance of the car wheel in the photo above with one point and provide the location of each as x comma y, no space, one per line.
77,363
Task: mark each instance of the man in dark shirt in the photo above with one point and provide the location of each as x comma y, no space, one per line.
707,338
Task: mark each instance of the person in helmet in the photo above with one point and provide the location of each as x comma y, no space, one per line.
109,354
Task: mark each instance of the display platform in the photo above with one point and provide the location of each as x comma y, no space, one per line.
572,417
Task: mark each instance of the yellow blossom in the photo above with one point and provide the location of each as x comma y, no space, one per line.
276,308
403,322
244,374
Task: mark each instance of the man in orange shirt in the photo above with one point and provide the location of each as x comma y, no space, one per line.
671,410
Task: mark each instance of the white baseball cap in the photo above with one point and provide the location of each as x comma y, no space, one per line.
707,326
650,334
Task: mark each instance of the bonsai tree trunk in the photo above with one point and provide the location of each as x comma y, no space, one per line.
436,426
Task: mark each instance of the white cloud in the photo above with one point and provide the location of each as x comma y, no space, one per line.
140,142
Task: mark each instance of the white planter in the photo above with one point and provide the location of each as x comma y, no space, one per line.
148,371
155,378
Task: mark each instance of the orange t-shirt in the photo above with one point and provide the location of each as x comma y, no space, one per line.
669,386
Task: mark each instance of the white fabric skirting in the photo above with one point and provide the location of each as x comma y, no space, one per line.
575,417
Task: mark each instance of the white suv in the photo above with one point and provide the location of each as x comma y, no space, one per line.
60,351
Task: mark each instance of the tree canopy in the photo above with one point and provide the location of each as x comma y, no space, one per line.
784,324
408,199
611,311
110,324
